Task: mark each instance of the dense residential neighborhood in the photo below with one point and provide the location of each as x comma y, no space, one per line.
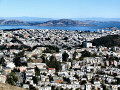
58,60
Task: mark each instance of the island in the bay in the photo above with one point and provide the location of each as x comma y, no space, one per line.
60,22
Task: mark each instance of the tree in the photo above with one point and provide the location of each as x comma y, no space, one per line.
104,86
43,59
52,58
21,54
37,71
32,87
17,59
108,41
74,55
50,78
76,76
30,60
35,80
94,55
83,82
118,88
86,54
16,70
67,80
12,79
51,49
2,61
65,56
53,63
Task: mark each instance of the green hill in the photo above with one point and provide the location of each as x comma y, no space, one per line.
108,41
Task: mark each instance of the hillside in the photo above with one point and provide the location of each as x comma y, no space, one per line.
12,22
61,22
9,87
64,22
108,41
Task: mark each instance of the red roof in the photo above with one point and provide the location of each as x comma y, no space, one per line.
51,68
59,81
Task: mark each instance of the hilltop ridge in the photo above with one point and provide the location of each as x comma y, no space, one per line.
12,22
60,22
64,22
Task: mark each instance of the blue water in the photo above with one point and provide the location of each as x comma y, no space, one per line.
99,25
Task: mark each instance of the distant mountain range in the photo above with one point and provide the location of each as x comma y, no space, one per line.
61,22
51,22
64,22
27,19
38,19
97,19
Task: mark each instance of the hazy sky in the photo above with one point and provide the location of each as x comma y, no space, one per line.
60,8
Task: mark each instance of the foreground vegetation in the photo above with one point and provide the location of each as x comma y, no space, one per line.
108,41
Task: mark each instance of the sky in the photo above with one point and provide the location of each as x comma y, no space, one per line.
60,8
